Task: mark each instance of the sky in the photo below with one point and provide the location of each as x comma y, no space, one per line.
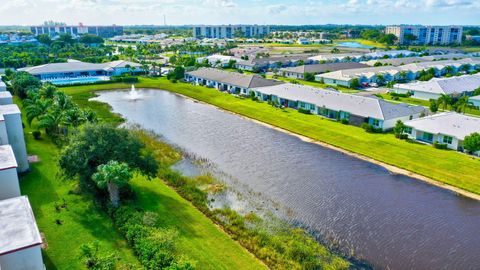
292,12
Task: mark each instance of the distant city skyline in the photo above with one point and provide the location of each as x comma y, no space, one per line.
291,12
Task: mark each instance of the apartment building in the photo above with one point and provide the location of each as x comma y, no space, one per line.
426,35
230,31
75,30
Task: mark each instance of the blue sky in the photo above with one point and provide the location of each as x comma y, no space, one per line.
127,12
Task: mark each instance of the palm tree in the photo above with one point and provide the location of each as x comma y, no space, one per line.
112,176
51,122
37,108
445,100
145,67
462,104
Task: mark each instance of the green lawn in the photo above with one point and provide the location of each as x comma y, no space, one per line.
449,167
82,222
363,42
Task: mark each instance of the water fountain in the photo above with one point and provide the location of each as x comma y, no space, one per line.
133,94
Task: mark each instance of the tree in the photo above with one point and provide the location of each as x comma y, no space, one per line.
335,50
398,129
44,39
472,142
433,105
388,39
23,82
310,77
94,260
145,67
444,100
409,38
238,33
112,176
97,144
177,73
476,92
90,39
354,83
462,104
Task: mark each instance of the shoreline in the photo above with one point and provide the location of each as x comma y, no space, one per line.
390,168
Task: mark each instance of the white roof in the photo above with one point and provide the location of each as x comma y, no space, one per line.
18,229
448,123
76,66
448,86
7,158
414,67
354,104
339,56
475,97
5,94
9,109
393,53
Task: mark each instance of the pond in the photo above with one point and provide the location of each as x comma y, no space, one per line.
354,44
390,220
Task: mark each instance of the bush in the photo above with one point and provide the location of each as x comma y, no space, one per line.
370,129
440,145
125,79
154,247
344,121
36,134
304,111
393,94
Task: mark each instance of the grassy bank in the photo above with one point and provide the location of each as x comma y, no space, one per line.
81,220
448,167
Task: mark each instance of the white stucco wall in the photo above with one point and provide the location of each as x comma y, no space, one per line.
6,100
13,123
425,95
3,133
26,259
9,187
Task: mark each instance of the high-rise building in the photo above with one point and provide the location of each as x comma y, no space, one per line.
426,35
102,31
230,31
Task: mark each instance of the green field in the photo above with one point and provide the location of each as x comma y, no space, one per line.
83,222
449,167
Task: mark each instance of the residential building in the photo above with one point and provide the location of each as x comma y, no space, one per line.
475,100
230,31
5,98
20,239
409,72
338,57
231,82
265,63
14,128
298,72
426,35
303,41
76,30
9,186
395,61
218,60
448,128
339,106
75,71
3,86
436,87
389,54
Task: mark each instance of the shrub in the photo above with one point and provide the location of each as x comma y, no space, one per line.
36,134
439,145
304,111
370,129
344,121
125,79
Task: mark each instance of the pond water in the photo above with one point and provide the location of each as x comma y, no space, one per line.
392,221
354,44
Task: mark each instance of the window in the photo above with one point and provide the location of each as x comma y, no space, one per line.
427,137
408,130
447,139
375,122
